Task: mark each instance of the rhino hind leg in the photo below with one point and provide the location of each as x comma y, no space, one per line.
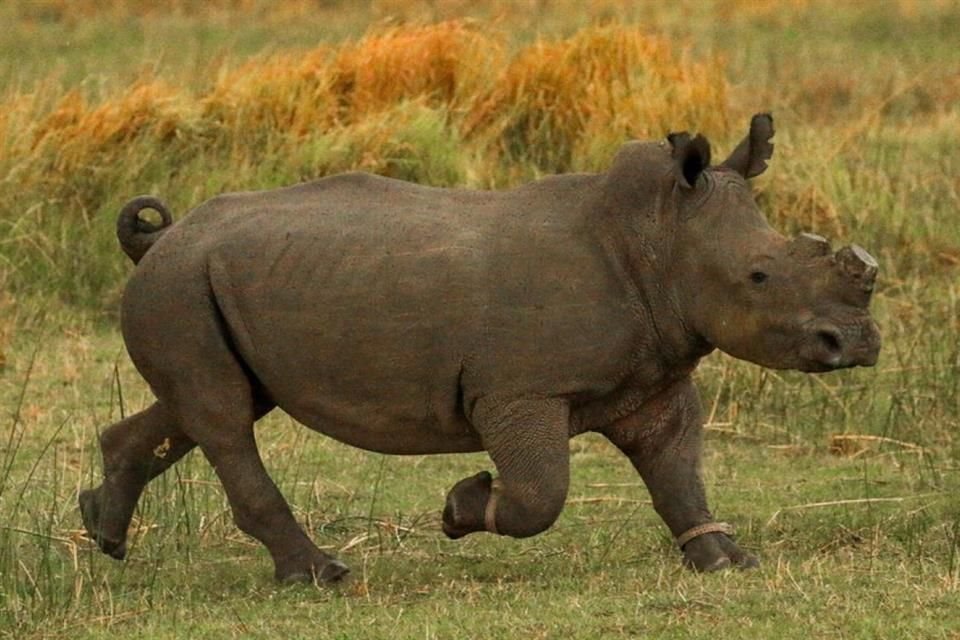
217,406
135,450
528,442
206,396
260,510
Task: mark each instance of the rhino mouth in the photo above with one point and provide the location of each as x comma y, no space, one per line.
813,366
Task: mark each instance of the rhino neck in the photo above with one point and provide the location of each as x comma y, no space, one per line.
637,214
641,260
674,343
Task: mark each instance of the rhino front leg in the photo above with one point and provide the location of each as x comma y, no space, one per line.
528,442
663,440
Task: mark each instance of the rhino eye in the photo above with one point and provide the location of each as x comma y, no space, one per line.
758,277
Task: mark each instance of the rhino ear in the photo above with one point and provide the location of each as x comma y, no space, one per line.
750,157
691,156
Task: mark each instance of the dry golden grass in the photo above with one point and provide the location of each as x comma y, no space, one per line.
781,11
399,10
603,84
303,94
446,63
762,9
7,319
785,11
556,104
283,93
79,132
808,207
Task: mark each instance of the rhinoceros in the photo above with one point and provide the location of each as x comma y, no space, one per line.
407,319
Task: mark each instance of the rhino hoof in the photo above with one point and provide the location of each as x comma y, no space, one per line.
331,572
717,565
463,511
716,552
334,572
90,514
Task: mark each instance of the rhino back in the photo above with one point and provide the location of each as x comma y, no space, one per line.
368,306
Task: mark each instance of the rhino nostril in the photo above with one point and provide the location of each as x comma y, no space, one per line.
830,340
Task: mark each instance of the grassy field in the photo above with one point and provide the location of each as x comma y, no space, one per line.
845,484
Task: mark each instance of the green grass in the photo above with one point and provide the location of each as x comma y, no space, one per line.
880,561
859,536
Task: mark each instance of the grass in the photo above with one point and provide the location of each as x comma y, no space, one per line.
844,484
607,569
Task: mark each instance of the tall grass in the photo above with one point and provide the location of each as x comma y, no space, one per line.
441,103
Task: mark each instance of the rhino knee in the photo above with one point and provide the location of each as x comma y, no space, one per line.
528,516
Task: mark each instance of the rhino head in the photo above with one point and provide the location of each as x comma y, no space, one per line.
736,283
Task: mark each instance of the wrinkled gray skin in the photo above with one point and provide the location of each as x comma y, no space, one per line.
411,320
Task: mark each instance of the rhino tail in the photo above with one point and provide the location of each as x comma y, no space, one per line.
137,235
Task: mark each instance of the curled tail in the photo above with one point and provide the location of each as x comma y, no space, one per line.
137,235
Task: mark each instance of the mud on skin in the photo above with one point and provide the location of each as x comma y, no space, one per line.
410,320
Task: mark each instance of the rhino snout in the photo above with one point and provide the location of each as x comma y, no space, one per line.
869,349
828,346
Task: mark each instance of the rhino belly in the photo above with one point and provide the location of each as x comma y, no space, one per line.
363,355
